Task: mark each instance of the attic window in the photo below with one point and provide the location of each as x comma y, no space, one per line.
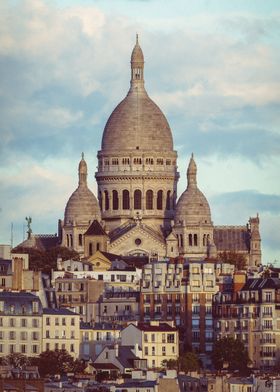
138,241
137,147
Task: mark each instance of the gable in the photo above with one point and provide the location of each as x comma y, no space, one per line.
139,240
99,261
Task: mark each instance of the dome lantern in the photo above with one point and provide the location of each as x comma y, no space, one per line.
191,173
82,172
137,65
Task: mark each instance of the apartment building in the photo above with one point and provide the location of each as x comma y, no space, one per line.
95,336
61,331
158,341
163,292
252,314
20,323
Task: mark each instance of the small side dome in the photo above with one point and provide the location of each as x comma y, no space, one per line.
192,207
82,206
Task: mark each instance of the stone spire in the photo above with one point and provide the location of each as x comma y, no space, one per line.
191,173
137,66
82,172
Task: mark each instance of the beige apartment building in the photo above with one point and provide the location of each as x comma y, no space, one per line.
158,341
61,330
20,323
252,314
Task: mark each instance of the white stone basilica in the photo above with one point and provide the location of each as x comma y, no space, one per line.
137,212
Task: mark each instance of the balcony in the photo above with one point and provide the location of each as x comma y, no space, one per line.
268,341
267,354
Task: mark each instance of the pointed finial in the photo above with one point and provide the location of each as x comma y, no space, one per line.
192,155
83,155
136,38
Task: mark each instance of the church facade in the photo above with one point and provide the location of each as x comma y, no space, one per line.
136,211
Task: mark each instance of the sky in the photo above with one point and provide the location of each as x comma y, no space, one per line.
212,66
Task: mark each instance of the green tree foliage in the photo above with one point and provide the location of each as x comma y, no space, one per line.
189,362
230,352
17,360
237,259
170,364
46,260
58,362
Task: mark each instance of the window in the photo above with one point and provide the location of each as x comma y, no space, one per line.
146,351
159,200
137,161
149,161
12,322
195,239
35,323
23,335
170,338
12,348
115,200
23,322
125,161
47,321
47,334
23,348
56,346
63,321
125,201
137,199
168,200
47,346
106,355
190,240
56,322
35,349
90,251
72,335
72,321
159,161
153,350
149,199
153,337
163,351
115,161
80,240
1,335
106,197
12,308
12,335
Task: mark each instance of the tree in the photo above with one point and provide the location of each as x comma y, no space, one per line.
231,352
237,259
189,362
170,363
45,260
17,360
58,362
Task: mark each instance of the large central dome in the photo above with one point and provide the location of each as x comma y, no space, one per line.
137,123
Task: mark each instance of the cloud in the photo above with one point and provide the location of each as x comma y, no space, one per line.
63,70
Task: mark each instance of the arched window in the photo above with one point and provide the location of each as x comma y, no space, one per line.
90,249
149,199
204,240
115,200
195,240
100,200
80,239
125,200
137,199
182,240
97,246
208,239
71,240
174,200
159,200
106,196
168,200
190,240
67,240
